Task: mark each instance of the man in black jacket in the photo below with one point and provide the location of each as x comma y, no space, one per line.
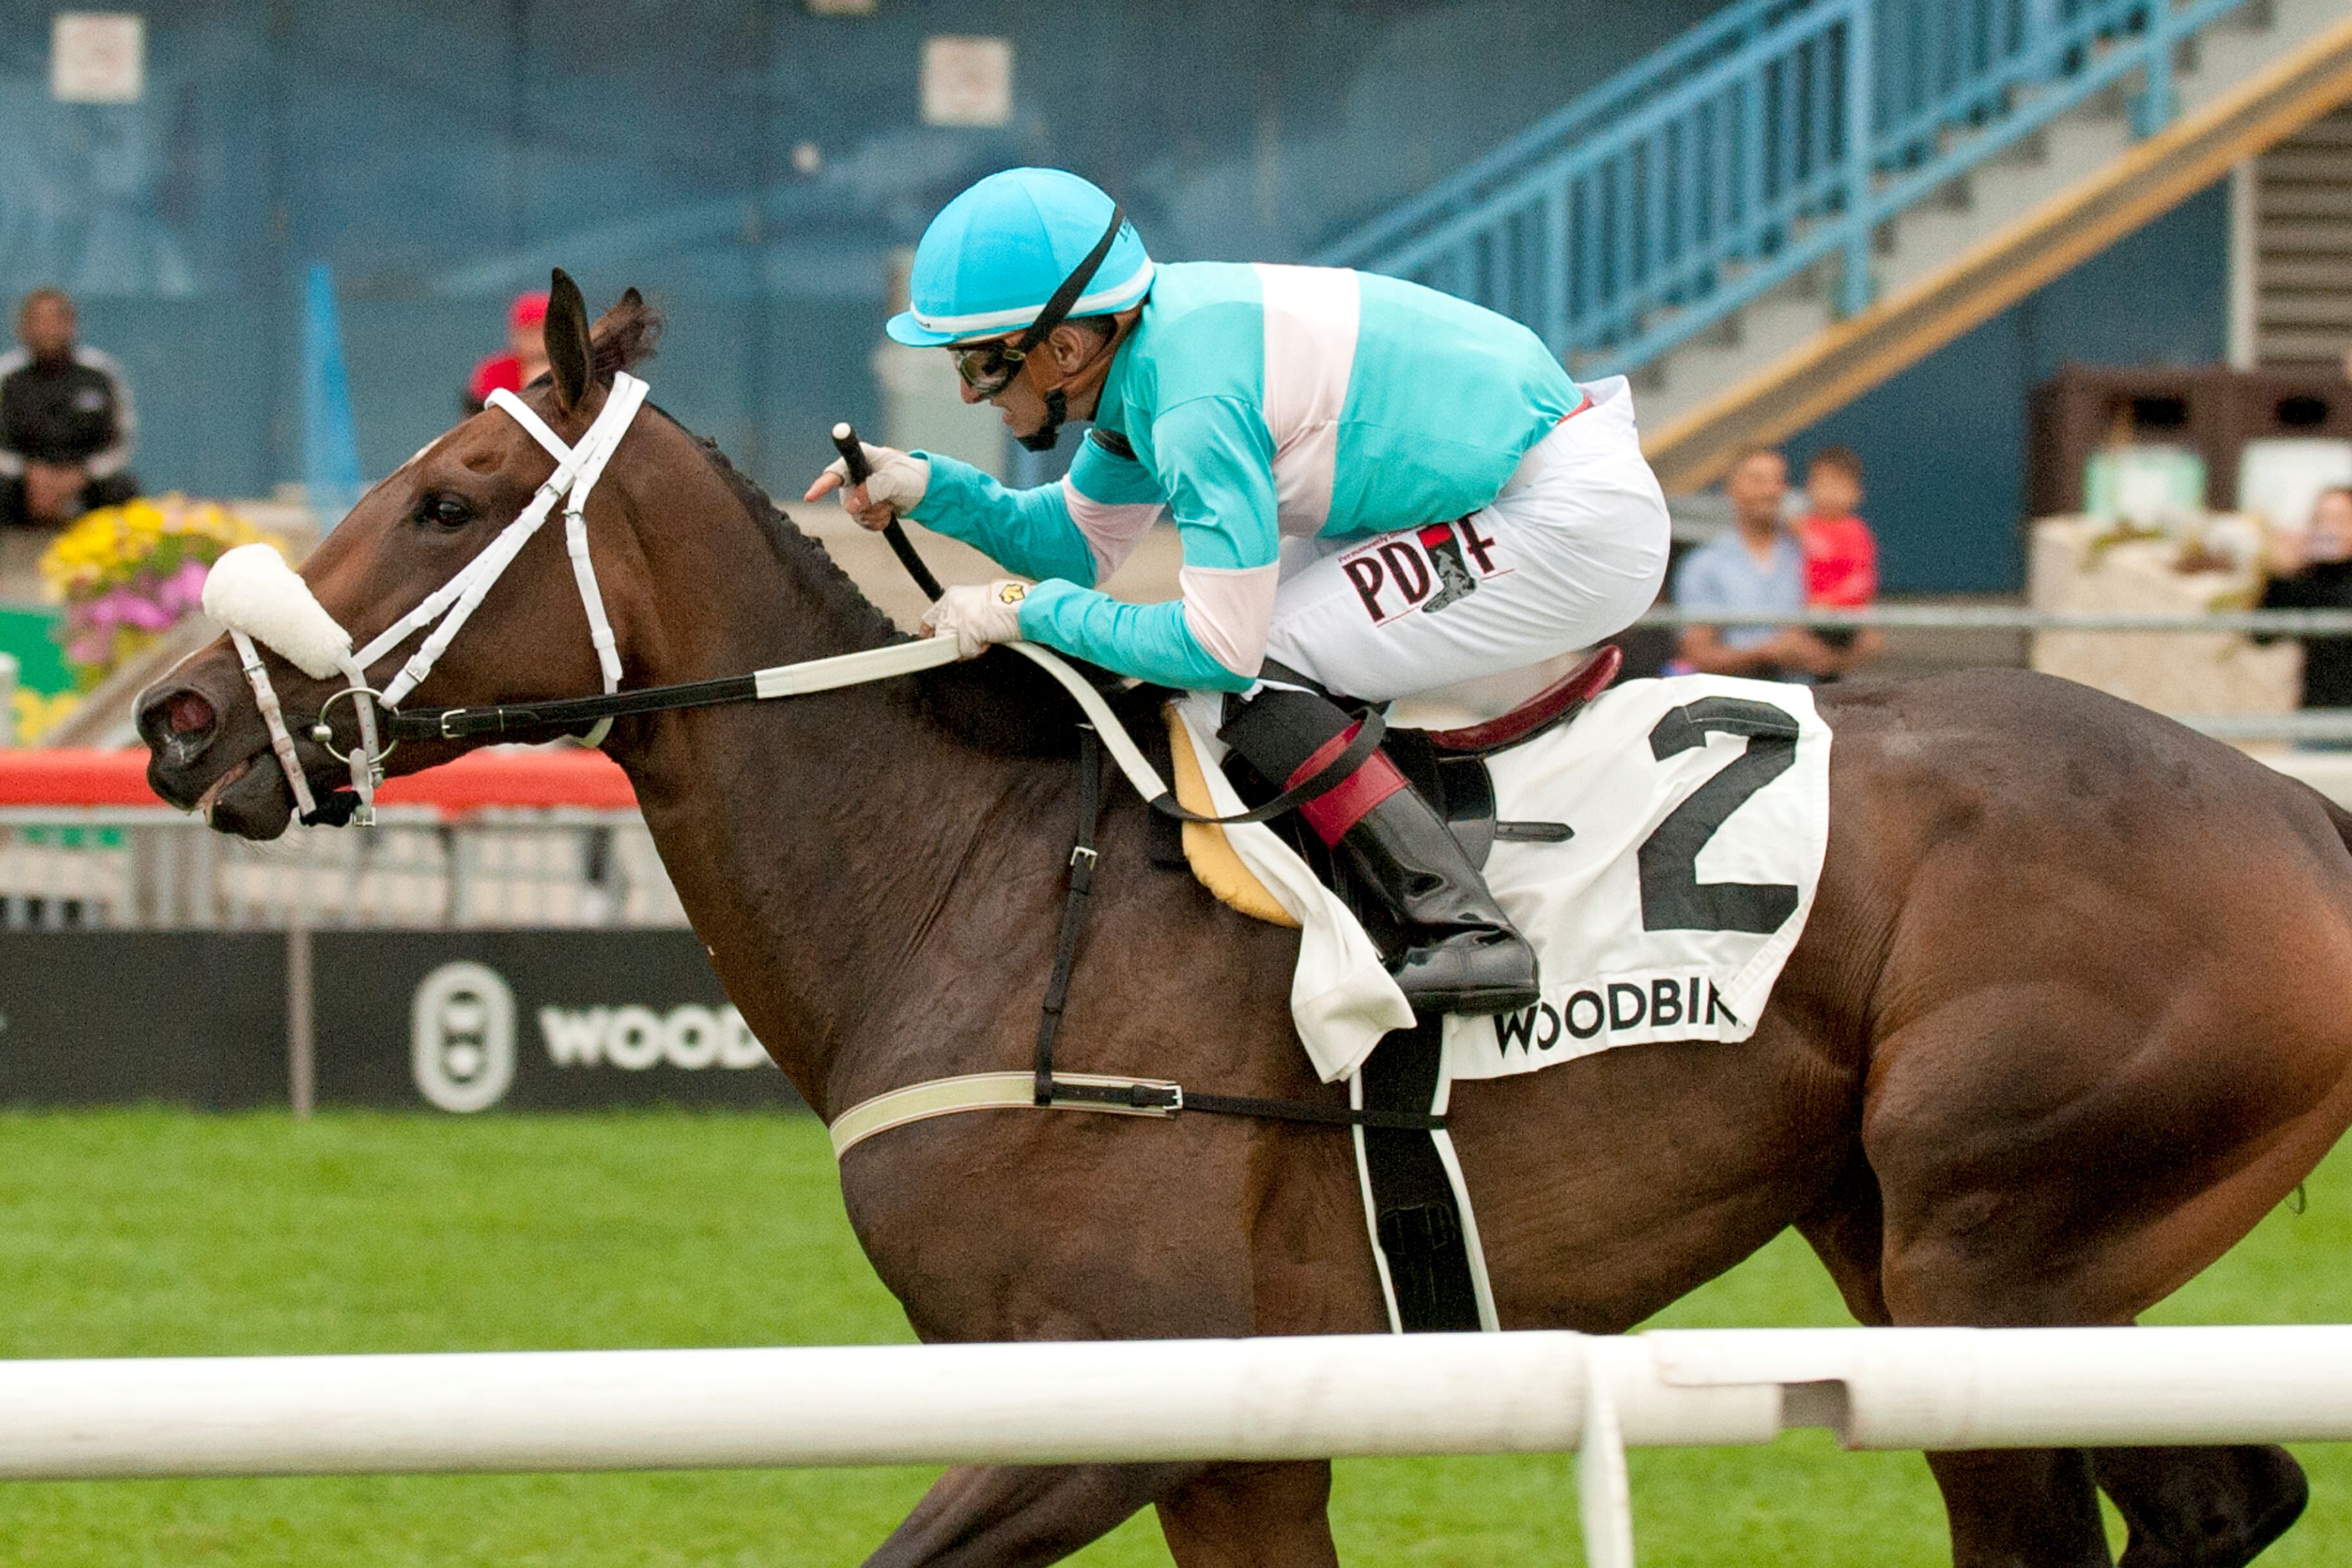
66,424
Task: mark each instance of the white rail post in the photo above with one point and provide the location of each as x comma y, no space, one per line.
1604,1500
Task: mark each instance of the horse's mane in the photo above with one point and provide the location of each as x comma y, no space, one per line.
997,702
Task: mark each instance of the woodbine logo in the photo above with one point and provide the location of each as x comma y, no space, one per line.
1629,1011
462,1037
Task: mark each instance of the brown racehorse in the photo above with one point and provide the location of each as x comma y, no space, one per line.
2071,1013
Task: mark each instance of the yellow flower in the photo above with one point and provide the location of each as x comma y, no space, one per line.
112,546
34,715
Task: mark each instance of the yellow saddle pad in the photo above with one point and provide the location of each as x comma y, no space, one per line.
1212,859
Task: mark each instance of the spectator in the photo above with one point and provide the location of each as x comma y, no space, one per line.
65,422
1840,556
2314,572
524,360
1756,567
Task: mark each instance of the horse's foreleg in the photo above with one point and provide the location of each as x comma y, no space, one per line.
1252,1516
2201,1508
995,1516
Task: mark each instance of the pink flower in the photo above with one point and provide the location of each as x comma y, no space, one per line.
146,613
183,590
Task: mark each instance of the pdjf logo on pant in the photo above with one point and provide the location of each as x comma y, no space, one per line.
1423,569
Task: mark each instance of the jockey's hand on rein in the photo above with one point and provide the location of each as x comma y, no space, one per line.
894,488
976,615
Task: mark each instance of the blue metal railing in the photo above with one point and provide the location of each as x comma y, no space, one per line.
1776,134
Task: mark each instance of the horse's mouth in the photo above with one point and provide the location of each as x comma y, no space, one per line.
248,800
204,802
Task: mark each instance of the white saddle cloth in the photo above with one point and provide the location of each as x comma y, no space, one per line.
1699,809
1690,878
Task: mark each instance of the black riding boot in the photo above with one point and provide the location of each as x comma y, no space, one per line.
1461,953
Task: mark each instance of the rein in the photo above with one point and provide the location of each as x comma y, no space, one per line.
288,612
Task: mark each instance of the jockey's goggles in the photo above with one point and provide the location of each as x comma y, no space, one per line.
989,368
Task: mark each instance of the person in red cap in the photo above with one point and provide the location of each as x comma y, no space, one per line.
525,359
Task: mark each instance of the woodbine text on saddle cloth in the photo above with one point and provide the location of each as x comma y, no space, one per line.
1689,834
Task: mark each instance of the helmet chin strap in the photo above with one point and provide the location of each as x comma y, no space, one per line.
259,616
1048,435
1055,311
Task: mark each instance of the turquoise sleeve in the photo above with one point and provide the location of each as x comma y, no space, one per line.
1098,476
1029,531
1215,460
1216,465
1149,642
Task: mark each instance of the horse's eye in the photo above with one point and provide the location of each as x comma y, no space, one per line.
444,511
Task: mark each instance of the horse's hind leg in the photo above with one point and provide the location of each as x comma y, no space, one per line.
1252,1516
2201,1508
2009,1508
994,1516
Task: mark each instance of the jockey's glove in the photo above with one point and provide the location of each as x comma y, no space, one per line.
892,489
976,615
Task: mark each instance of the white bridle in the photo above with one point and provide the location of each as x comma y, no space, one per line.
253,591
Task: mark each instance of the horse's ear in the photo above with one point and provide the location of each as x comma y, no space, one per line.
624,336
568,351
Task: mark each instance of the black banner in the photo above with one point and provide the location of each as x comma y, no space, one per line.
458,1021
109,1017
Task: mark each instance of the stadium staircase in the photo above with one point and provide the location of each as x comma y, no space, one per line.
1800,198
2302,243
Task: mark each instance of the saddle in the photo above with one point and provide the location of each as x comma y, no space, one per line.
1448,766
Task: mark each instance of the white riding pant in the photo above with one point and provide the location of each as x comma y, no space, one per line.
1570,552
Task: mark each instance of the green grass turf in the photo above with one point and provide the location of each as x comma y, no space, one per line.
156,1232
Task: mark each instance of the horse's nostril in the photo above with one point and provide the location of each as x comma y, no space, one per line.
183,718
186,713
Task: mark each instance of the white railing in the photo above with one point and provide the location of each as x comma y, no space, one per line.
2009,618
74,867
1125,1401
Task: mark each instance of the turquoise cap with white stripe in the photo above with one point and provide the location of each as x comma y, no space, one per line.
993,257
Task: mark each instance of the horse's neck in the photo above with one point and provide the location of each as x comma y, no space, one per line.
811,839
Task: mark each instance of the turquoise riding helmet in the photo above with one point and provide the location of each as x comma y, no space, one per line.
995,256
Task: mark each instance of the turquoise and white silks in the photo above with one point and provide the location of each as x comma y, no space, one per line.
1261,404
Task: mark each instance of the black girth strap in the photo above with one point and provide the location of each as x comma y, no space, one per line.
1049,1091
1304,1111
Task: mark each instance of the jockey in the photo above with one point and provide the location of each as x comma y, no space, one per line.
1379,490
